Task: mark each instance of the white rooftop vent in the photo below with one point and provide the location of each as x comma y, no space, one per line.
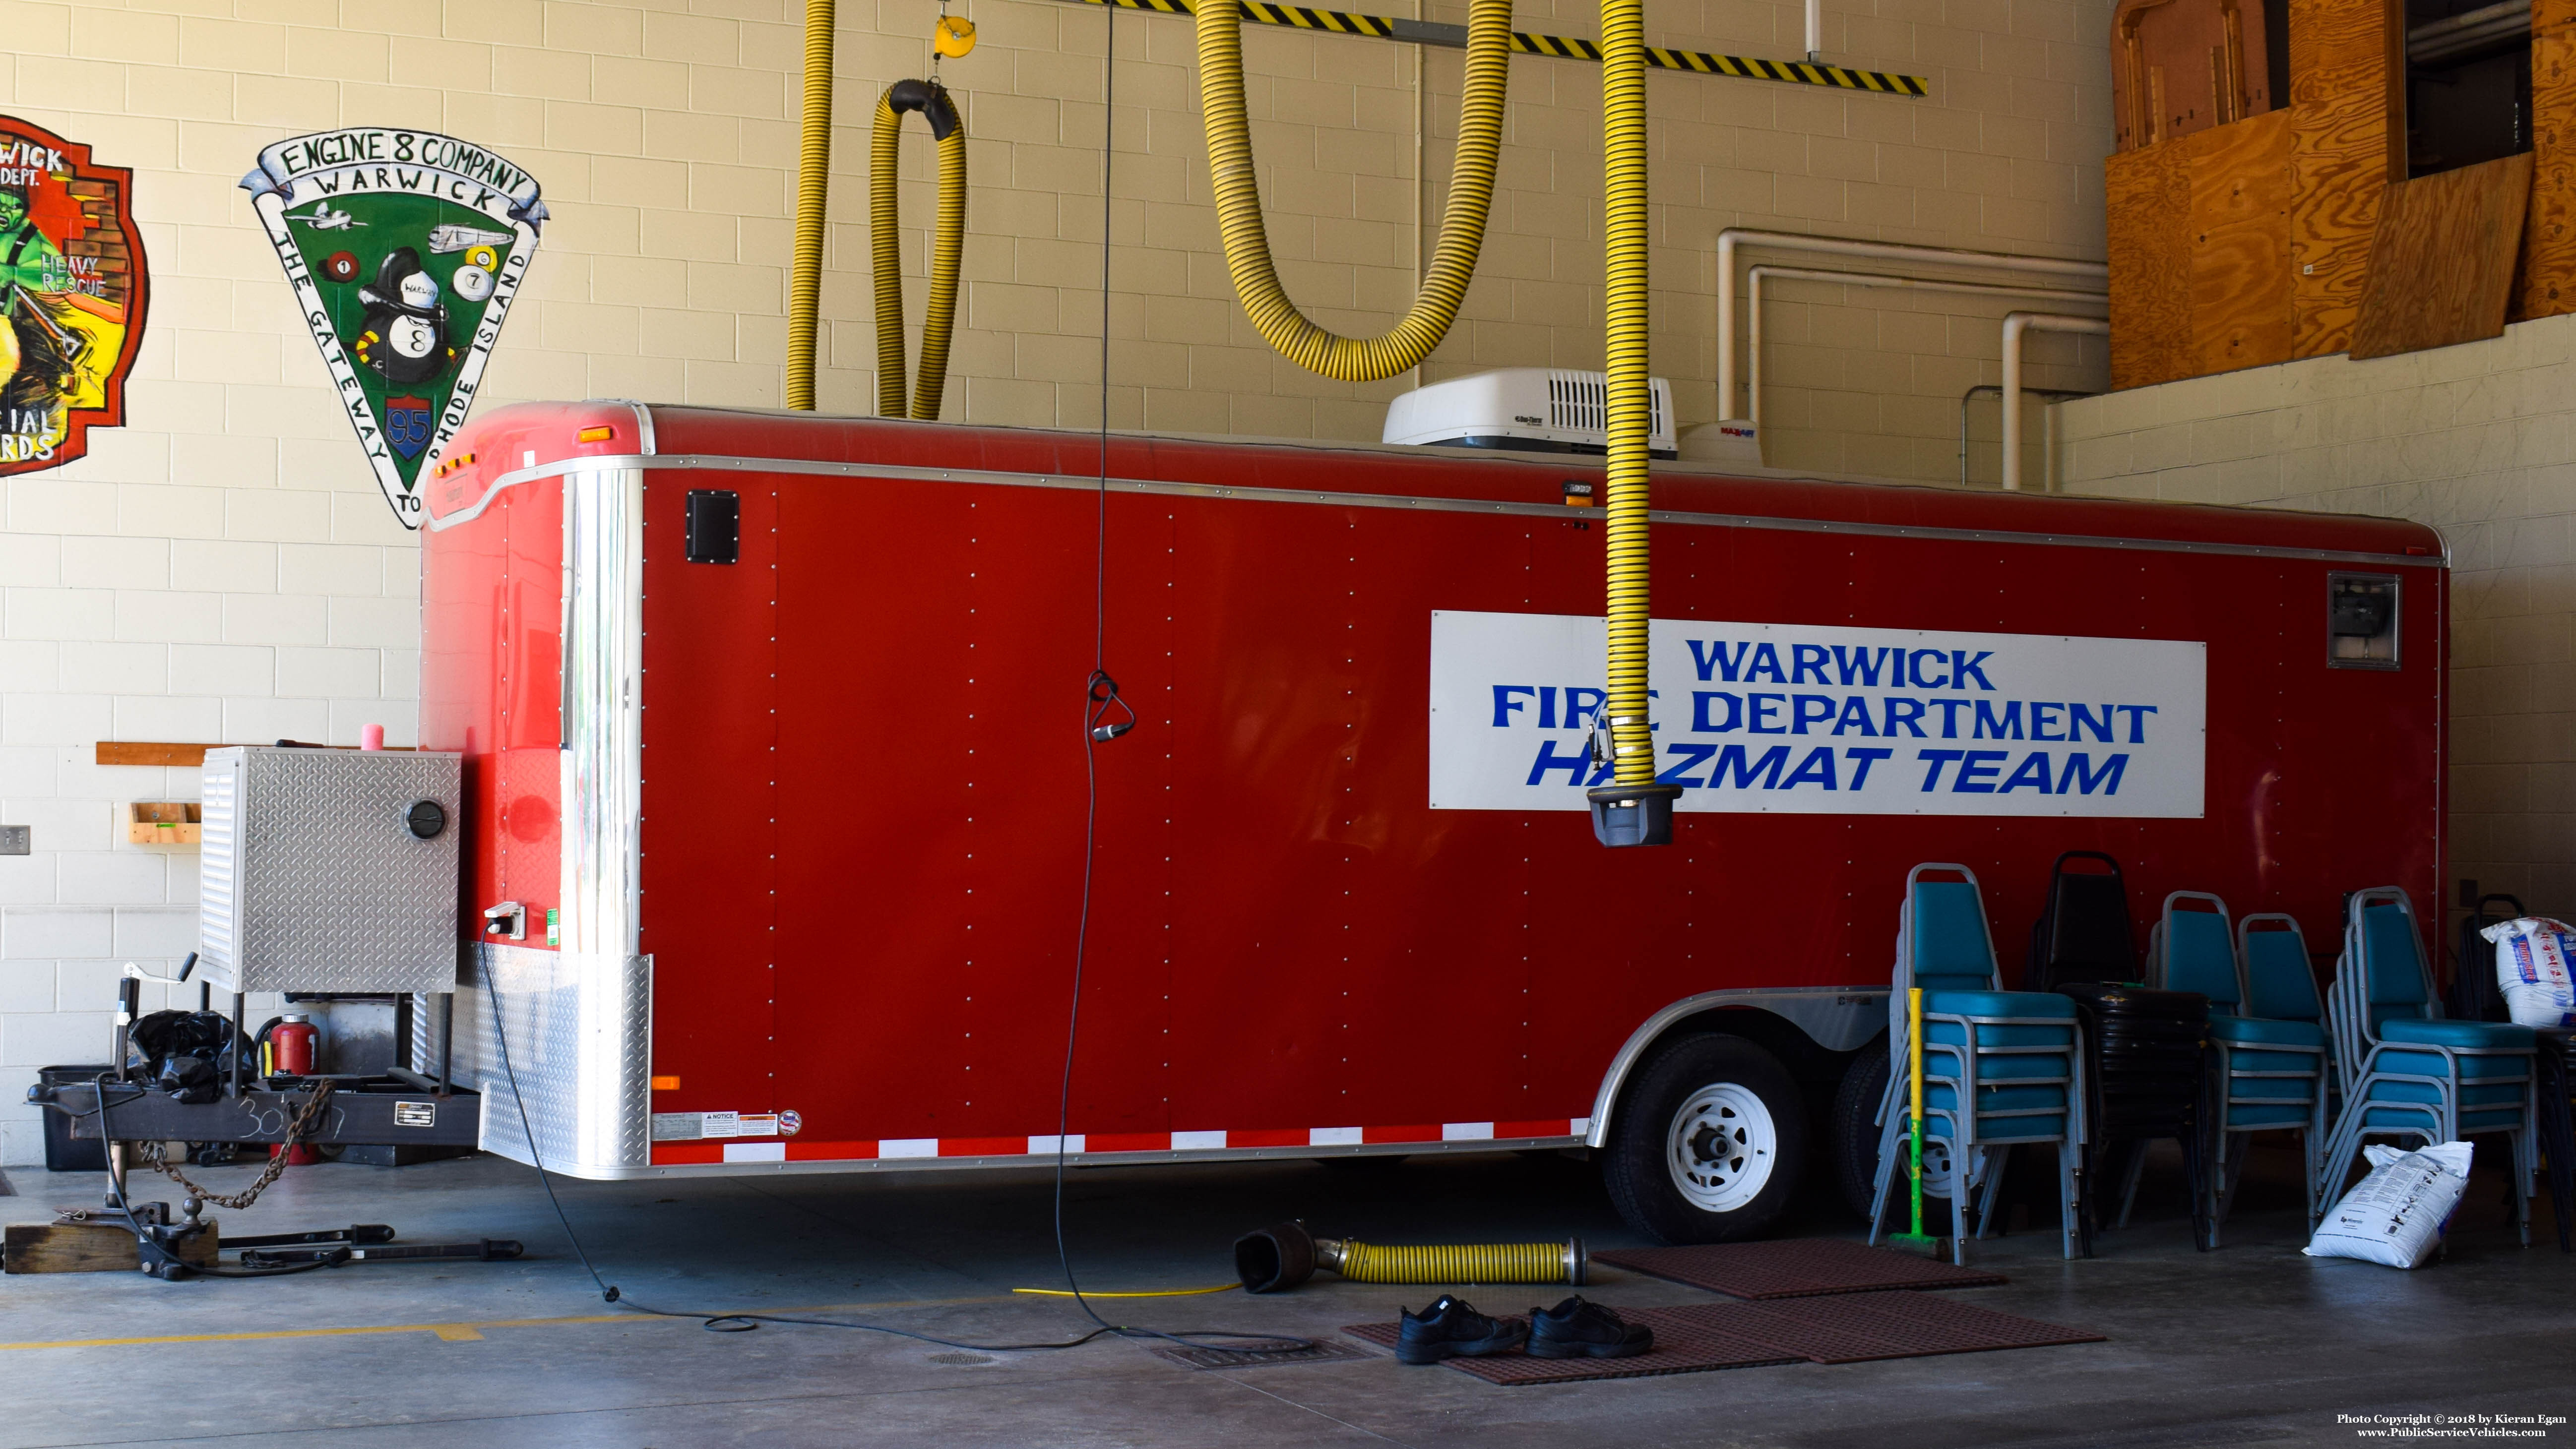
1526,409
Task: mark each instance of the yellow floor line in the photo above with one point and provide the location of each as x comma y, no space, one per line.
469,1332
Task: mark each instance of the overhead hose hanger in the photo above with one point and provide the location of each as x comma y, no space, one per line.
1247,244
947,243
813,179
1635,808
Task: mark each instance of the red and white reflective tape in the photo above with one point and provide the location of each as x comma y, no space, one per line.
1098,1144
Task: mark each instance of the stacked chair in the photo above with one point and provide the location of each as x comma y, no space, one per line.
2001,1068
2266,1038
2147,1047
2406,1072
2557,1124
2473,995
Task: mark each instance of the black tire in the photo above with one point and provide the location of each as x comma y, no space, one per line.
1855,1143
1634,1165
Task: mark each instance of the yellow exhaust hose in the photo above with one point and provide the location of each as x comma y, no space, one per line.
948,241
1247,244
1623,130
1459,1263
813,176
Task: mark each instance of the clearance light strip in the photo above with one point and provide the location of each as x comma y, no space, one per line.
1427,1135
1454,37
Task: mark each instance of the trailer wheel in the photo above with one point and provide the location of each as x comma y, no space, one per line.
1709,1142
1855,1146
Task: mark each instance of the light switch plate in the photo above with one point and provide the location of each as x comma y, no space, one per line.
14,840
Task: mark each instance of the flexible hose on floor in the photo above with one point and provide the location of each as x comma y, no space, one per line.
948,241
1623,135
813,176
1283,1255
1459,1263
1247,244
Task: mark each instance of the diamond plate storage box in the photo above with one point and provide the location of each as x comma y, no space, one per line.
324,870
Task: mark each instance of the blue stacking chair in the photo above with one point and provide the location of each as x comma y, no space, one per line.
2406,1072
2268,1046
2277,1064
2000,1068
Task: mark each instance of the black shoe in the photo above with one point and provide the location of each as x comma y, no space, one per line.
1451,1329
1576,1329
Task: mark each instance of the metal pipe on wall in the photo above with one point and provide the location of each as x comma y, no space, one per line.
1753,303
1815,31
2016,324
1737,236
2047,427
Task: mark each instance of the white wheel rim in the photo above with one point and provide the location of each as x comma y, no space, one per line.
1721,1147
1936,1168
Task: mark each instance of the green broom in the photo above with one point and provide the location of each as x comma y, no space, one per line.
1916,1241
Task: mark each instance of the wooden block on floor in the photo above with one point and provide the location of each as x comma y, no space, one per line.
88,1248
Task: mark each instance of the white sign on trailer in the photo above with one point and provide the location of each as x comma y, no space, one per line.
1816,719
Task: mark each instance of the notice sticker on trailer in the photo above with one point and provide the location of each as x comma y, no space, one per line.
1826,720
696,1126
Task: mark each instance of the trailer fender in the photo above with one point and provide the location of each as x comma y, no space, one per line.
1835,1018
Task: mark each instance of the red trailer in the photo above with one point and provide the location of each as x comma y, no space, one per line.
776,783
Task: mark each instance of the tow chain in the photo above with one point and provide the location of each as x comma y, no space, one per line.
240,1201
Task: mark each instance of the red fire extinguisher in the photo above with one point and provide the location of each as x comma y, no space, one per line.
291,1047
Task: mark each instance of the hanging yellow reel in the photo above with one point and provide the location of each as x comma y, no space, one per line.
948,241
953,36
1247,244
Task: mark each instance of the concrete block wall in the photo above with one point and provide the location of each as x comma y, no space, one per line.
2479,441
222,569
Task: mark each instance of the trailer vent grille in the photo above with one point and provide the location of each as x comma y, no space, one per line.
1580,401
1531,409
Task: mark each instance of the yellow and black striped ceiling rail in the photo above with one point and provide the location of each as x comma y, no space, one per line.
1699,62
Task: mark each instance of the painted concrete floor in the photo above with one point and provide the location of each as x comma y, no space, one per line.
2254,1345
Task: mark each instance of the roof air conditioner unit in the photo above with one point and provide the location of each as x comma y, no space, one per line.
1524,409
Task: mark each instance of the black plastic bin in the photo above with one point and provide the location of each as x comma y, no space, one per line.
63,1153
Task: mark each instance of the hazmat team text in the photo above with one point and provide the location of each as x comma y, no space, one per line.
1825,720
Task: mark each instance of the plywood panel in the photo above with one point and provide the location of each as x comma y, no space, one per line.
2239,221
2342,115
2441,263
2179,67
2548,285
2149,199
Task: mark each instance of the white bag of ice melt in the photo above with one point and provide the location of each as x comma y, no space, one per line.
2397,1214
2532,970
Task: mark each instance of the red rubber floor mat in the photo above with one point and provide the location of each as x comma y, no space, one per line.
1794,1268
1843,1328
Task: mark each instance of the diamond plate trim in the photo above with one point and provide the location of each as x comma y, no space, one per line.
218,884
580,1037
313,882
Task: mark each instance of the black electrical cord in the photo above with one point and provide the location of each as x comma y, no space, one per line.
1099,697
713,1322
